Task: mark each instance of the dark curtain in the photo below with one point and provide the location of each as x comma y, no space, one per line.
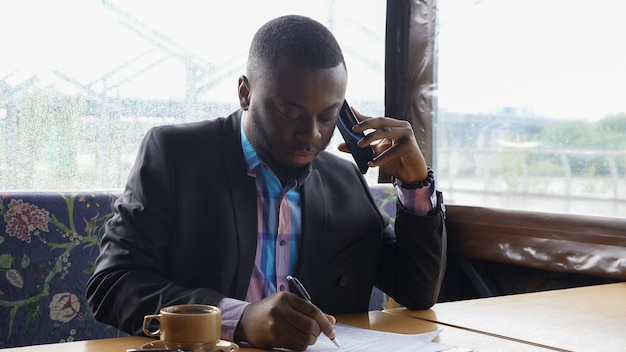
410,68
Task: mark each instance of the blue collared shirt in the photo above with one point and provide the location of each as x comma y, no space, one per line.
279,219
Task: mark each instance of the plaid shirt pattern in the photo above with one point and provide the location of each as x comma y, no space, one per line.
279,227
279,218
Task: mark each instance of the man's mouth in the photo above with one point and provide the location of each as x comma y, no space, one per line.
302,157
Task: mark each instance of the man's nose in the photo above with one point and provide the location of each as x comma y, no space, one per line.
309,131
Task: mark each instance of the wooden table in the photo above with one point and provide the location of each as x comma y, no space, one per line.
384,321
377,320
591,318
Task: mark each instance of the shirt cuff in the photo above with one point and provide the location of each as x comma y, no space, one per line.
420,201
232,310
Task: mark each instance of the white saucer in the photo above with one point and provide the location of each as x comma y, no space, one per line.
220,346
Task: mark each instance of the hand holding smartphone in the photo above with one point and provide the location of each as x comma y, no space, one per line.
361,155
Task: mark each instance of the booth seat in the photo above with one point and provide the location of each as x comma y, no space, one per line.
48,246
496,252
49,242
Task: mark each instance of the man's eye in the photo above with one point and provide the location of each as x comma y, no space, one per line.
290,115
327,120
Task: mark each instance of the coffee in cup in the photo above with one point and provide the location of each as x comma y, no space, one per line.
194,327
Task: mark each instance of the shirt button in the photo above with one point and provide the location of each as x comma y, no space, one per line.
281,288
343,280
283,243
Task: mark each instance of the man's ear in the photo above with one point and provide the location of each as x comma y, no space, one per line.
243,88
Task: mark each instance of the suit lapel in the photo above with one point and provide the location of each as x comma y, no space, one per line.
243,190
314,217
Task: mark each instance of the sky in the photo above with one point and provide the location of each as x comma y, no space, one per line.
86,39
563,58
560,58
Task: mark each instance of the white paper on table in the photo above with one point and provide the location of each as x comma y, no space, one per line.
356,339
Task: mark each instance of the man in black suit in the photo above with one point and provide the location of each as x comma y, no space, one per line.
219,212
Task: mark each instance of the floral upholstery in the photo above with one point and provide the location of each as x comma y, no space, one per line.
48,245
385,197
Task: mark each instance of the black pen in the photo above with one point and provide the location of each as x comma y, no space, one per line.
296,287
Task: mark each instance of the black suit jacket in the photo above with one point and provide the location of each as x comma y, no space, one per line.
185,231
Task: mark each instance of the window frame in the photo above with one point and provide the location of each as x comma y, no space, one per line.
582,244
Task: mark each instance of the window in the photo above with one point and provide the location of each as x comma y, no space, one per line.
82,81
530,113
531,109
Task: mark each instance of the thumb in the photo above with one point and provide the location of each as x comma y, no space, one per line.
330,332
343,147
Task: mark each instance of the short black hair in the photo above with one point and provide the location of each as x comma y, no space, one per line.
297,39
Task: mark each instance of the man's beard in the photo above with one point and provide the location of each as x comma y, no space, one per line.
287,173
284,171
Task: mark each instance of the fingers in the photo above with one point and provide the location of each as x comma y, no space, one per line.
272,322
395,148
321,322
343,147
283,320
332,320
384,127
368,122
390,138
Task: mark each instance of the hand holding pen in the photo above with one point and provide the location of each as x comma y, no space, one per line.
283,320
297,288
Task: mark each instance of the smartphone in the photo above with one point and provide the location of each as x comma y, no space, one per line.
361,155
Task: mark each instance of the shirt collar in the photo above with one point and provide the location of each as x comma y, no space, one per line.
253,162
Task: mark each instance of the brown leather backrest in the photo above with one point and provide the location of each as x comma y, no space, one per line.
556,242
